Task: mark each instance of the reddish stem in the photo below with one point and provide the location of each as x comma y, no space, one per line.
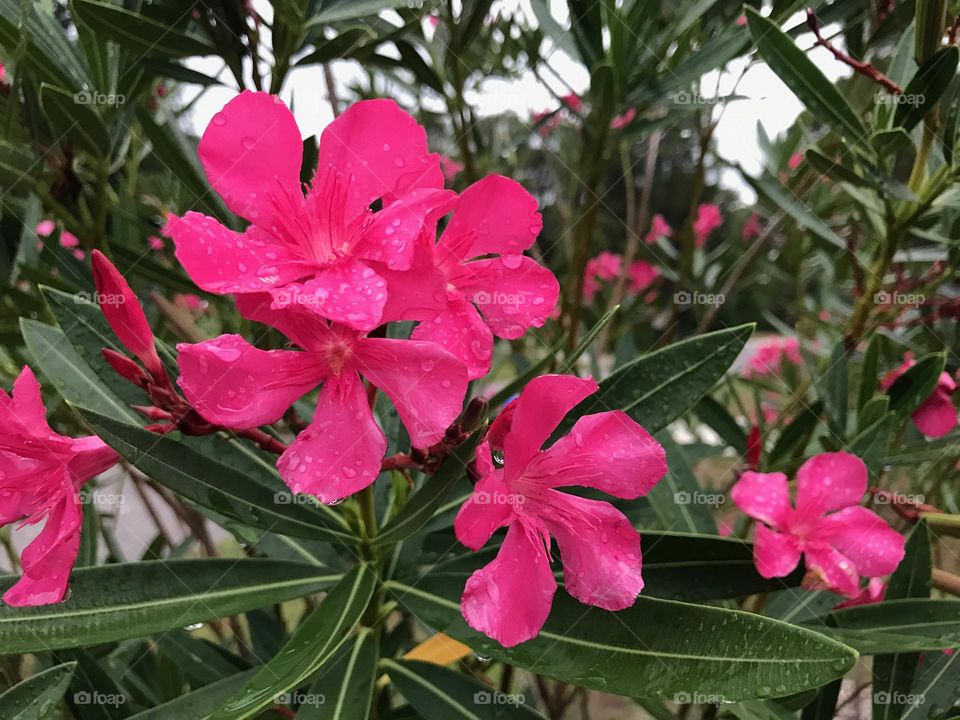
864,68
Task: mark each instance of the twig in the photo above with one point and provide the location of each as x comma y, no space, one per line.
864,68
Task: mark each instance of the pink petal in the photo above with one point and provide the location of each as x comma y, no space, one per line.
864,538
509,599
341,450
775,554
393,235
494,215
608,451
223,261
90,457
48,560
45,228
828,569
234,384
28,403
488,508
540,408
513,292
460,330
764,497
599,548
382,150
251,150
501,425
830,481
426,383
349,292
937,416
416,294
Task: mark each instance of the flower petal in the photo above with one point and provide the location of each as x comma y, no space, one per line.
395,231
937,416
775,554
608,451
513,292
600,550
540,408
494,215
488,508
251,150
764,497
830,481
349,292
864,538
341,450
460,330
222,261
828,569
48,560
509,599
416,294
232,383
27,403
426,383
381,149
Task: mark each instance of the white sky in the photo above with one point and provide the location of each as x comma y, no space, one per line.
767,98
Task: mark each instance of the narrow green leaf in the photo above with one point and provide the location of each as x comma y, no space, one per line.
638,652
804,78
930,623
314,643
936,685
868,372
678,500
570,360
338,10
199,703
71,116
835,169
916,384
344,687
796,435
138,32
926,87
115,602
837,391
722,422
37,696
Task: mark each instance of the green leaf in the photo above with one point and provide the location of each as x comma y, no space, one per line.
889,142
314,643
677,499
916,384
804,78
722,422
71,116
930,624
795,436
936,685
62,366
927,86
199,703
872,443
438,693
424,503
207,481
835,169
115,602
655,648
337,10
137,32
837,391
37,696
345,686
569,361
18,166
659,387
825,704
868,372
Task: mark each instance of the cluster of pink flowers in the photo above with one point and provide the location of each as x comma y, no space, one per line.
936,416
659,228
607,266
708,219
769,356
571,107
68,241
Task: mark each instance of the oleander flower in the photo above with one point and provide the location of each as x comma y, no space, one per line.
708,219
840,540
510,598
936,416
41,473
770,354
234,384
316,250
659,228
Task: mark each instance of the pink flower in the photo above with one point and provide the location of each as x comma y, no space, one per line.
191,302
621,121
873,592
795,161
770,354
68,240
232,383
742,21
751,228
572,101
156,243
317,251
510,598
840,540
45,228
708,219
463,302
659,228
42,473
122,311
936,416
641,274
549,120
604,266
450,167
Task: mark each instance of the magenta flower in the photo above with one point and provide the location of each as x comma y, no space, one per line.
659,228
621,121
770,354
840,540
604,266
450,167
709,218
316,250
510,598
572,101
641,274
462,302
873,592
936,416
795,161
234,384
41,473
751,228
